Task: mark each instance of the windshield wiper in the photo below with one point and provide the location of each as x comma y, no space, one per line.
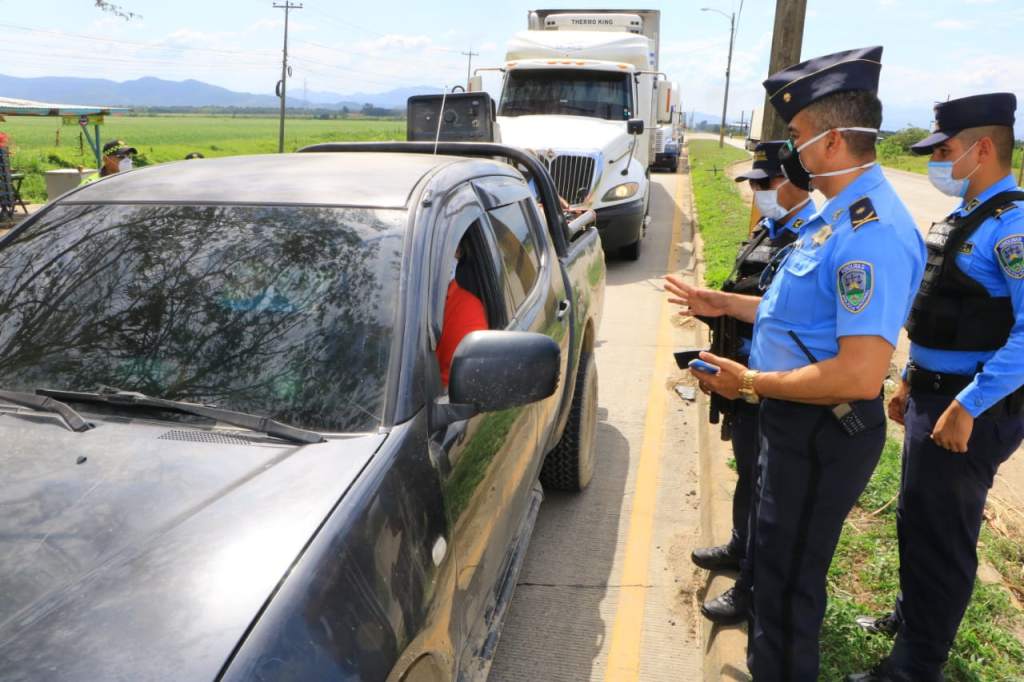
114,396
47,404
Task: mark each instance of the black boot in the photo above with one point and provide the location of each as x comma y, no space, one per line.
729,608
887,625
718,558
884,672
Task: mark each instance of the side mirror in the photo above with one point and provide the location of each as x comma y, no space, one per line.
635,126
496,370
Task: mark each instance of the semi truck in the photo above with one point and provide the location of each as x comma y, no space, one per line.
580,89
668,138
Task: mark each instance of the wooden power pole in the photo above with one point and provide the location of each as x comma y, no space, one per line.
787,41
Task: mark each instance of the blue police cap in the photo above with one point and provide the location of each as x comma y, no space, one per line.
995,109
794,88
766,162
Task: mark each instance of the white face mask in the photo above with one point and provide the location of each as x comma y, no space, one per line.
767,201
842,171
940,173
124,164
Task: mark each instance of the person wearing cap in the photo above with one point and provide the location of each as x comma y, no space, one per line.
961,397
784,209
824,334
117,157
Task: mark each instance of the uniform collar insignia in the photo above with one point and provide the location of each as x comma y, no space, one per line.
822,235
837,214
862,212
971,205
798,223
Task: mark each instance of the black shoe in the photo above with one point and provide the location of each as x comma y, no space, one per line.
886,625
718,558
882,673
729,608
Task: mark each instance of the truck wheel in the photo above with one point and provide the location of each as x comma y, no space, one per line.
570,465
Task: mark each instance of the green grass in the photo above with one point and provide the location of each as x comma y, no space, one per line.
864,578
170,138
919,164
722,215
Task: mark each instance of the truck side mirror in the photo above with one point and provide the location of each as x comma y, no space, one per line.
497,370
635,126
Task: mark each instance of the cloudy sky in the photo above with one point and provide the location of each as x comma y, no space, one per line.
933,48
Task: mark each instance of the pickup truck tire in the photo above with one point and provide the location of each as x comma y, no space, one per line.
570,465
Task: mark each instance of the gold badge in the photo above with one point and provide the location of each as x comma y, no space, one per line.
822,235
835,216
786,97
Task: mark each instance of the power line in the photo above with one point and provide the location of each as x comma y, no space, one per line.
152,46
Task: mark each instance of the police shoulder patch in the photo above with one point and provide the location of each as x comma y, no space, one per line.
855,282
862,212
1010,253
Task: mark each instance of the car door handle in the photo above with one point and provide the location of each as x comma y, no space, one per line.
563,308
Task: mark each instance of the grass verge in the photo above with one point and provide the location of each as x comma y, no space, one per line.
919,164
722,215
864,578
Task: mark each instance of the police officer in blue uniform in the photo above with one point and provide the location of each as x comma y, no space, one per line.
961,398
784,208
824,335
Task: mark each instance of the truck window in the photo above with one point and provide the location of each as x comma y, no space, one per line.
597,94
518,249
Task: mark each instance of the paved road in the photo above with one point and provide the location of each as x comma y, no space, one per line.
607,589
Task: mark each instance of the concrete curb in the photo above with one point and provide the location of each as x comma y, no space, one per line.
725,648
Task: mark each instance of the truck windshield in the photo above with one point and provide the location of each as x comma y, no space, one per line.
282,311
597,94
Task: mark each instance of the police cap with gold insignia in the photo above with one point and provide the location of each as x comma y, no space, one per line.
766,162
794,88
995,109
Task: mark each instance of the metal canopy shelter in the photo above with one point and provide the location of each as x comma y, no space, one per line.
87,115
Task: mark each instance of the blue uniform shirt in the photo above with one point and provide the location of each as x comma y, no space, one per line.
996,261
774,228
840,280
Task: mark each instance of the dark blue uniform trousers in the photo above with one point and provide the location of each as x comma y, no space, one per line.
942,497
811,474
746,443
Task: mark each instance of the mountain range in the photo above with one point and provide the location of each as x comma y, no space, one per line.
157,92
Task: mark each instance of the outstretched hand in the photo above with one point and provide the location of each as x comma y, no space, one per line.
696,301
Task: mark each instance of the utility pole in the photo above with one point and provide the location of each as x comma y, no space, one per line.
787,41
469,64
282,85
728,64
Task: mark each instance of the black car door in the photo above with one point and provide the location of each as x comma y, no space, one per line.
484,459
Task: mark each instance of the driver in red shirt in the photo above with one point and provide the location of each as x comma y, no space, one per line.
463,313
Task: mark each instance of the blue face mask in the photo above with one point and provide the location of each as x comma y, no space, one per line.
940,173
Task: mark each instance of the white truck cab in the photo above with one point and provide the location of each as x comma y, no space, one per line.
580,90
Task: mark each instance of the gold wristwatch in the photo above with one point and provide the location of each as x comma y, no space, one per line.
747,391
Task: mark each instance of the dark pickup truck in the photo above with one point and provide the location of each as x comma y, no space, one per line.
228,450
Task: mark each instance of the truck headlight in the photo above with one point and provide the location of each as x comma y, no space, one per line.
623,191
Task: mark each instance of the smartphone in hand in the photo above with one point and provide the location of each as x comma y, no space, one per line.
683,357
705,367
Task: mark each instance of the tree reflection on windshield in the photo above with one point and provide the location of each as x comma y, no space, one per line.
280,311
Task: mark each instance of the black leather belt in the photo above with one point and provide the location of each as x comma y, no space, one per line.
937,382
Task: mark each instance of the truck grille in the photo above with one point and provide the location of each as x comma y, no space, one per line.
574,175
660,137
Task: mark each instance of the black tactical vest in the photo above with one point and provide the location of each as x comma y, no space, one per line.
753,258
951,310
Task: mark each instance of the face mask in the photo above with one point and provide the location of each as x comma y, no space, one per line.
768,203
940,173
124,164
795,170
